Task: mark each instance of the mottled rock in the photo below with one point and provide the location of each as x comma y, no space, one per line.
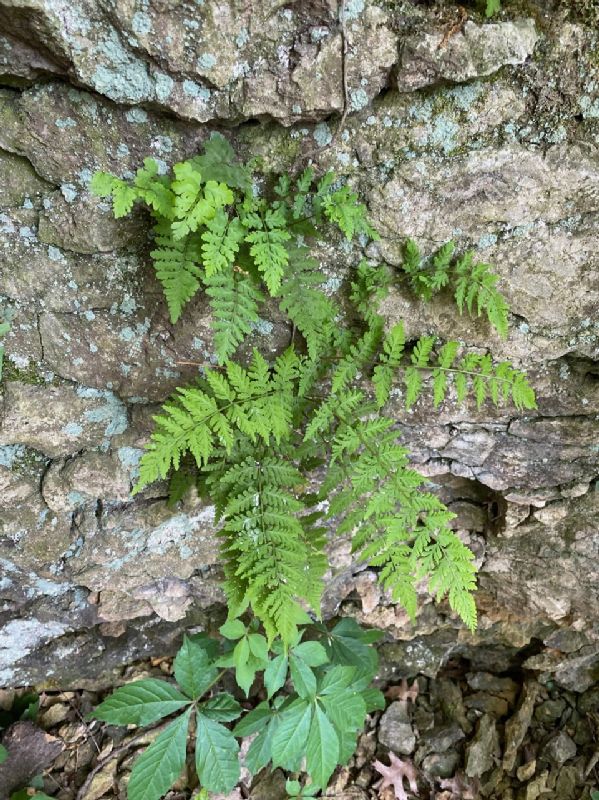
440,765
559,749
18,182
493,684
484,750
60,420
395,731
549,711
506,164
517,725
226,62
430,58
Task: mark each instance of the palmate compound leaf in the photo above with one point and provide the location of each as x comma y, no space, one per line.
160,765
275,674
141,703
222,708
217,762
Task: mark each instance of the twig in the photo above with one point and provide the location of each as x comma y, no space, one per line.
81,794
346,105
82,719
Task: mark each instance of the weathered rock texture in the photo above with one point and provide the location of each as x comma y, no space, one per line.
488,134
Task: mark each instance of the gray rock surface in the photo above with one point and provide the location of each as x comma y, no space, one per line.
493,140
478,50
396,732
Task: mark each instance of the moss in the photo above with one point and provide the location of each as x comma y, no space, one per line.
29,375
273,147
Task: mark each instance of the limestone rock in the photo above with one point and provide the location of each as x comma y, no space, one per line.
517,725
60,420
396,731
429,58
484,749
226,61
505,163
559,749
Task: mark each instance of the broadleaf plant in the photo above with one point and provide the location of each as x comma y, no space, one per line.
291,451
316,719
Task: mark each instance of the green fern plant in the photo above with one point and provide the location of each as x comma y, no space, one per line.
317,696
473,283
259,436
492,7
289,451
213,232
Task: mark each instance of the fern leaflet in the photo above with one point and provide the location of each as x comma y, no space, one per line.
234,302
176,264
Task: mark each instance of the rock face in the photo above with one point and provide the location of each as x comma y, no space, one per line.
487,133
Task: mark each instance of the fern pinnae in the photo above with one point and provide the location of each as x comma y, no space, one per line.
176,263
234,303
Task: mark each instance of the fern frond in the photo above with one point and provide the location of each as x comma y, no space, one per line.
218,163
342,208
154,189
176,262
475,288
195,204
221,241
256,402
104,184
304,303
474,373
427,277
397,527
389,361
368,288
272,552
268,250
359,356
234,303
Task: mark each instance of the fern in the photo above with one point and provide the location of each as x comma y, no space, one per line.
253,402
176,262
473,374
211,226
272,552
221,241
396,526
195,204
234,302
475,288
256,439
473,284
342,208
304,302
492,7
270,255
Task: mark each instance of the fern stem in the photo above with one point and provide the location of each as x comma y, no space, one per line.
431,368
